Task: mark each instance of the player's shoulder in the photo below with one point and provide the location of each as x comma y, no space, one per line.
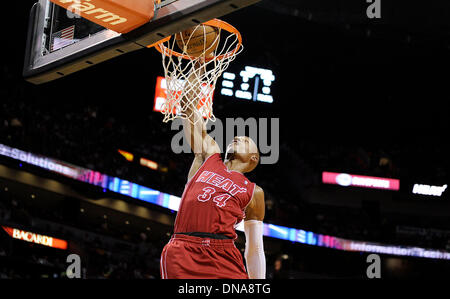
213,157
256,207
258,192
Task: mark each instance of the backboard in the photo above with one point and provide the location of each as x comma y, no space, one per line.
61,42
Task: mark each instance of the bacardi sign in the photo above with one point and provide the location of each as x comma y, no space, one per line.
35,238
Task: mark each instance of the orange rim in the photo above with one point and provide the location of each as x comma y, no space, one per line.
215,23
160,41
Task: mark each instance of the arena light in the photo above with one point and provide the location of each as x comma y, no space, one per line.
126,155
429,190
172,203
345,180
143,161
149,163
35,238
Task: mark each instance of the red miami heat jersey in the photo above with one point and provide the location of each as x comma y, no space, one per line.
214,200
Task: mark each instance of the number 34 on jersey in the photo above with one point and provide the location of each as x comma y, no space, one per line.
217,181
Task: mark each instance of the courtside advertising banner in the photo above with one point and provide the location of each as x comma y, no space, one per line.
35,238
346,180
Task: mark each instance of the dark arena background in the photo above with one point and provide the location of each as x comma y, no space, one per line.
86,159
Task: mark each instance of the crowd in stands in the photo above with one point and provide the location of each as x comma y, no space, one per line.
105,252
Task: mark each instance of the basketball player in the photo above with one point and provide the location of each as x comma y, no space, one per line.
216,198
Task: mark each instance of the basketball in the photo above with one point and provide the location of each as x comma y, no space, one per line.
198,40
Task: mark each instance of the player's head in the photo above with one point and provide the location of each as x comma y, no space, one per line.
244,150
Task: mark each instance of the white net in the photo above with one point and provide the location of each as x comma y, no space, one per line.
190,81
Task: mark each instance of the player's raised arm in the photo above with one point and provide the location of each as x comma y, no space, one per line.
253,227
194,126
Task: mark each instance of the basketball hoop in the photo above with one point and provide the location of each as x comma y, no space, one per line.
191,80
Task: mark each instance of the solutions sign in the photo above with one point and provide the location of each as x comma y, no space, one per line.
345,180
